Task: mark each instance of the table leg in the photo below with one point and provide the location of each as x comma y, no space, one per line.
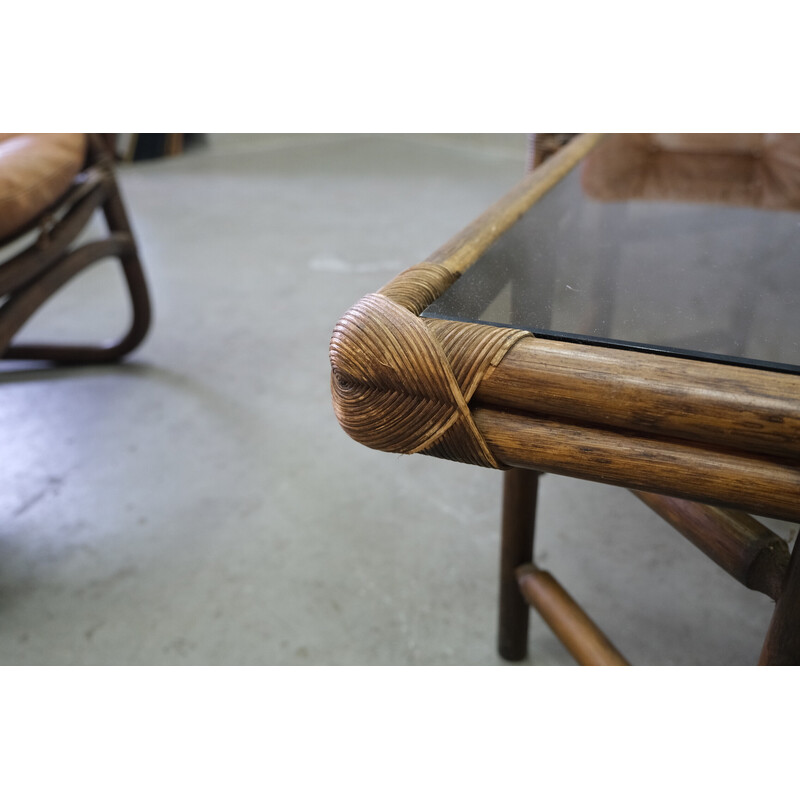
520,488
782,644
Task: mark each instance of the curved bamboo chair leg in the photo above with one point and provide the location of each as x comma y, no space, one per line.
120,244
23,303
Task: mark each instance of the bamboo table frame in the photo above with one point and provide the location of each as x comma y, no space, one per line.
704,444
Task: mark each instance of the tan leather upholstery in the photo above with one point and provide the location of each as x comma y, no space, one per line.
752,169
35,170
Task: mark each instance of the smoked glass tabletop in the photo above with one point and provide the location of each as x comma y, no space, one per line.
701,280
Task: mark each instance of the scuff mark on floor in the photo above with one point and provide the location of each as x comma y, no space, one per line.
52,485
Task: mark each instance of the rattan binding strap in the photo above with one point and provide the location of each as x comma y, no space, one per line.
402,384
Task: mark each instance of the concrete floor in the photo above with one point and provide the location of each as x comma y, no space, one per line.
199,504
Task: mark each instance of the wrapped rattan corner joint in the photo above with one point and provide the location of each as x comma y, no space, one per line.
402,384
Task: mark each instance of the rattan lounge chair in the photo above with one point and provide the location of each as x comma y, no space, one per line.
50,186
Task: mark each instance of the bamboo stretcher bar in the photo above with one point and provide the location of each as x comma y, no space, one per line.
742,546
576,630
758,485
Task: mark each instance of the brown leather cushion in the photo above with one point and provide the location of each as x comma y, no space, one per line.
35,170
751,169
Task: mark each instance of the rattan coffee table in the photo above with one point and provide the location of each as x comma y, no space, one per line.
641,332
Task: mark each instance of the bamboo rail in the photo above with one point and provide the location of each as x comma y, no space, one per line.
736,407
452,259
760,485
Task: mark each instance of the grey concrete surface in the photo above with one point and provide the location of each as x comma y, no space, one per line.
199,504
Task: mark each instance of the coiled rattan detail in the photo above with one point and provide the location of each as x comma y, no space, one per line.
418,286
402,384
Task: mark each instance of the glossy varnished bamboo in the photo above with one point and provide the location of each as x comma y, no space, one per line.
576,630
520,490
749,551
753,410
758,485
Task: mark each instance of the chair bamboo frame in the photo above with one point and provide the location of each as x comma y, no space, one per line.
34,274
686,436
